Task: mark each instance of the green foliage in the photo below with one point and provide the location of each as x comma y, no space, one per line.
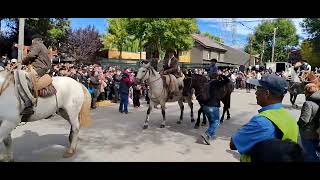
310,53
162,34
213,37
53,30
286,37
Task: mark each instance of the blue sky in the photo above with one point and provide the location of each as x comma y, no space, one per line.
99,23
216,26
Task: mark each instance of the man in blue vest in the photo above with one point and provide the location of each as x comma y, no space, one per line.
272,122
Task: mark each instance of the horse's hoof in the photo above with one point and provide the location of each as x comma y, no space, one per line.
68,154
162,126
203,124
196,126
145,126
221,121
228,117
178,122
192,120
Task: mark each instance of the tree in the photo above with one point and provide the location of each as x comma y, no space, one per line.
53,30
83,44
159,35
310,53
312,27
213,37
310,48
286,37
117,35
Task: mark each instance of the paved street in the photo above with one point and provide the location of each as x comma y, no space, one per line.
119,137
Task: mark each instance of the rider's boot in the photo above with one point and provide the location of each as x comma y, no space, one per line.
27,111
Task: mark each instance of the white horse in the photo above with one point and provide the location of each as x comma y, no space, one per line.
72,102
158,94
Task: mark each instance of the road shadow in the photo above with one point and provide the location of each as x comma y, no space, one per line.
32,147
126,132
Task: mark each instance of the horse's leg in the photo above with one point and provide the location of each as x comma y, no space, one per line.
196,126
228,114
163,111
72,117
8,145
227,105
180,102
294,100
190,103
74,134
291,98
6,128
204,120
222,117
146,122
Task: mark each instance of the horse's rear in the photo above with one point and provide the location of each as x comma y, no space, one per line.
72,102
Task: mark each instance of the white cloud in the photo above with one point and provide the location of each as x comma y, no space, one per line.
248,25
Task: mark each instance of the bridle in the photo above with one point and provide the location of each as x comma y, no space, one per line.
7,79
150,82
148,71
5,83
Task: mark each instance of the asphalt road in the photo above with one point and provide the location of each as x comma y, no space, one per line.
115,137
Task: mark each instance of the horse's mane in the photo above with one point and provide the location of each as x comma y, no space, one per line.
200,77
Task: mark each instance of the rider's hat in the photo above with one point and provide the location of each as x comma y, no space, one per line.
36,36
214,60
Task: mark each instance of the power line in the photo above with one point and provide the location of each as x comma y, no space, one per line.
246,26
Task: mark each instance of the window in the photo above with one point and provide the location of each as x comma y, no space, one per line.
209,54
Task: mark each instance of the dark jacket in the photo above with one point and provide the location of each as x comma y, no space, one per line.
14,52
38,57
171,68
124,86
217,91
94,82
309,118
214,99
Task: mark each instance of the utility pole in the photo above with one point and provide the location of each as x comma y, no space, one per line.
261,60
21,38
250,52
234,31
273,44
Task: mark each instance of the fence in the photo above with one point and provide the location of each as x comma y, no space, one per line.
135,64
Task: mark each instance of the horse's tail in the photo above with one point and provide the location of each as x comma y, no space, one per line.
84,115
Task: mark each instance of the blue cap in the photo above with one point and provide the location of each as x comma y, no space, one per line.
275,84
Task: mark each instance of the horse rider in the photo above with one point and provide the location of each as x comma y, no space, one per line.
40,64
213,69
170,66
302,66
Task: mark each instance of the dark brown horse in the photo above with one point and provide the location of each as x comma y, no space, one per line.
195,82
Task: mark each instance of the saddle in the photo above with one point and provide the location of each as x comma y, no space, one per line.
172,84
38,87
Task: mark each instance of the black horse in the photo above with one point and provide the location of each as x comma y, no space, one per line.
196,81
295,88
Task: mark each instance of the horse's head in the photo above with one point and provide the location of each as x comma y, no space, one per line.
3,75
145,63
6,77
143,74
